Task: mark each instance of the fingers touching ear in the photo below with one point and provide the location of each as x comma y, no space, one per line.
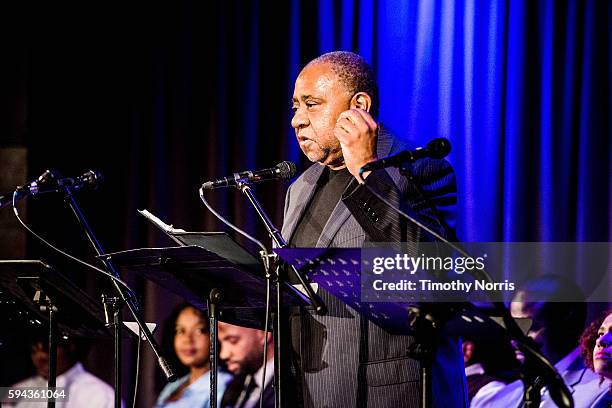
361,100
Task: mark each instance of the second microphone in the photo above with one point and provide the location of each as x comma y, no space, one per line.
282,171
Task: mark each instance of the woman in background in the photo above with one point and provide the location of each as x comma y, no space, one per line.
192,347
596,350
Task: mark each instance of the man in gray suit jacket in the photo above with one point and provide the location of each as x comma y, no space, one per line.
342,359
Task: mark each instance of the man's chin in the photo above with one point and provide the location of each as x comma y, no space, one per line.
235,370
324,160
334,164
314,156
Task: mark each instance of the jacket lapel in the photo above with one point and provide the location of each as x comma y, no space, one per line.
341,213
573,376
574,372
303,189
337,218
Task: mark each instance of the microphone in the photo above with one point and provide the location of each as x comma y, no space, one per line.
435,149
50,181
89,179
282,171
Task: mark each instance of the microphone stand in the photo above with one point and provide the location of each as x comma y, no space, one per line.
113,305
426,318
279,242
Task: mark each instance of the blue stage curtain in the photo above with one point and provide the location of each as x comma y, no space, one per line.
522,90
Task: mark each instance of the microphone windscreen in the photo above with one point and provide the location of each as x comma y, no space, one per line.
286,170
92,178
439,148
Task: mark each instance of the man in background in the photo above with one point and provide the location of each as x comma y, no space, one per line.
82,388
242,349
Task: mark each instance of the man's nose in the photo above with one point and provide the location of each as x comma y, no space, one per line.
223,353
299,120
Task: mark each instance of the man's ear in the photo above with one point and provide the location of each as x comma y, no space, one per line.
361,100
262,337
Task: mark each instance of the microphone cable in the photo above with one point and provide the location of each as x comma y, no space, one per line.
229,224
61,252
264,254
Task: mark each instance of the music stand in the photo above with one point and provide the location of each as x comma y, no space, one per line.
52,297
230,284
338,270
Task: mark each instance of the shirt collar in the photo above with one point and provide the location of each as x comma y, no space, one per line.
68,377
269,373
566,361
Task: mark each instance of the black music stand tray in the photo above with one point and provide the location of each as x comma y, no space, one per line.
77,313
192,272
47,295
226,280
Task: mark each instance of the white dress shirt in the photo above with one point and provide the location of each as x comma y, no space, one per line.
253,398
83,389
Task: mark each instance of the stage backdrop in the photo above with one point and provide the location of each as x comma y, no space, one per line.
161,96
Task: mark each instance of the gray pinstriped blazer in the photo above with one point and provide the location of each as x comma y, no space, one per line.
345,360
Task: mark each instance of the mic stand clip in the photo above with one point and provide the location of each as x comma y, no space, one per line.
46,305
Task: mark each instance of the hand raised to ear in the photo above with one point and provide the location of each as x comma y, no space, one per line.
357,133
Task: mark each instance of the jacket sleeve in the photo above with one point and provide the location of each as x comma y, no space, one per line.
428,194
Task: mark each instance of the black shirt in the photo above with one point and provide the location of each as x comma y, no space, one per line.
330,187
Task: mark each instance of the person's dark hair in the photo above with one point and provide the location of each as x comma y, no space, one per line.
169,332
356,74
77,348
588,340
559,315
